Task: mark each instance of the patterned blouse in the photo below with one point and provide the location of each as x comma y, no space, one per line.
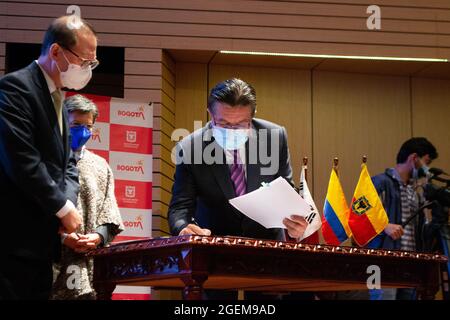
98,206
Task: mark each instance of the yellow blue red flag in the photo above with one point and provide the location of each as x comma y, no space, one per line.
367,216
335,229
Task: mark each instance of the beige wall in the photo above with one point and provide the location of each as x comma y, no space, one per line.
431,115
356,115
191,94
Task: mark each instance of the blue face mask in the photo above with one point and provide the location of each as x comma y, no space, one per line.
230,139
80,135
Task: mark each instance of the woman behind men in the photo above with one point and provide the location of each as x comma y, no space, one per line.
96,203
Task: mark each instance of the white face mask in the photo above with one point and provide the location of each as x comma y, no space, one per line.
74,77
230,139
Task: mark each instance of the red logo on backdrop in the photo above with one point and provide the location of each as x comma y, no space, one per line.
132,114
131,136
134,224
96,135
130,139
138,167
130,192
133,194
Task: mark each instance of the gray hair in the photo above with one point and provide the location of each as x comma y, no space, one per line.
81,104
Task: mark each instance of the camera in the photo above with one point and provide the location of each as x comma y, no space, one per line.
435,234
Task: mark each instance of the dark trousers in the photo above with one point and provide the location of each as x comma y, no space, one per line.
25,279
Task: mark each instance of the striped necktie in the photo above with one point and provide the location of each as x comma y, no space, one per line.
238,175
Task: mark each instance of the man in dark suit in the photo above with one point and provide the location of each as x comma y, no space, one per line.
38,178
232,155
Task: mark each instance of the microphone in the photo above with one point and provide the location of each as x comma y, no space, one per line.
437,172
447,181
425,205
434,174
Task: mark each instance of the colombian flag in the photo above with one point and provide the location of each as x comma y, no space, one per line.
335,227
367,216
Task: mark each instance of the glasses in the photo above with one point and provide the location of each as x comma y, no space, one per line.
85,63
241,125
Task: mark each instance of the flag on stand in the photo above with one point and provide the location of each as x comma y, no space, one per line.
335,227
367,216
313,218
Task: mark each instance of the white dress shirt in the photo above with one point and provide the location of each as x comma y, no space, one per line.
52,88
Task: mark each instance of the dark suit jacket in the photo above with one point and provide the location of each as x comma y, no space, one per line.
37,172
201,192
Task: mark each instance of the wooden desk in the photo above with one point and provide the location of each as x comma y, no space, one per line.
192,263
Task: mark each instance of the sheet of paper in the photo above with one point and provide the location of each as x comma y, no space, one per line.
270,204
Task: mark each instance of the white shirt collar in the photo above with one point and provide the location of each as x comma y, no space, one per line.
50,83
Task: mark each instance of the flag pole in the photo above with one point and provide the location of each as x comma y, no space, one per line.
305,165
335,165
364,159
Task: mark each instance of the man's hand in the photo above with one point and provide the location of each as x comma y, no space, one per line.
71,241
194,229
296,226
71,221
89,241
395,231
82,242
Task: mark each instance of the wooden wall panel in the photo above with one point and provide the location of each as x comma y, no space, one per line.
191,95
419,28
356,115
145,55
284,97
163,168
248,33
399,9
143,82
145,72
431,116
251,33
143,68
292,20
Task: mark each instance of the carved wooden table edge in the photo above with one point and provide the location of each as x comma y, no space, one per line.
194,281
146,244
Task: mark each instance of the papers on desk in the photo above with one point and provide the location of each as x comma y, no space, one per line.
271,203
